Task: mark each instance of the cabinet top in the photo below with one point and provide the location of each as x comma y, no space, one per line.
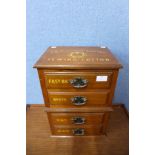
63,57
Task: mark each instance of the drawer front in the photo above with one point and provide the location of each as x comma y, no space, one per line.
76,131
76,118
78,80
78,99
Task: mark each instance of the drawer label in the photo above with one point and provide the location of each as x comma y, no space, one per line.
57,81
59,99
63,130
101,78
61,119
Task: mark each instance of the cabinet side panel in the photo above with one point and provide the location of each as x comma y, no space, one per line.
43,87
44,92
113,86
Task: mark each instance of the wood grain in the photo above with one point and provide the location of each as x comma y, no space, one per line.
67,118
39,141
63,99
77,57
60,80
67,130
57,109
69,78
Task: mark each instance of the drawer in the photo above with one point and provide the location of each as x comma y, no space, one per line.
78,99
76,118
76,131
78,80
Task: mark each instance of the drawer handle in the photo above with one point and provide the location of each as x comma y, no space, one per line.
78,132
79,100
78,82
78,120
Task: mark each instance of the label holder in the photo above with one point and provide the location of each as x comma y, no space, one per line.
101,78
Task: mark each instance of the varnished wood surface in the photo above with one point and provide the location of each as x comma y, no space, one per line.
97,123
60,68
62,123
77,57
98,109
40,143
60,80
67,118
67,130
63,99
111,82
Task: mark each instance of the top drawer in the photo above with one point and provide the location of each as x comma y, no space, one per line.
78,80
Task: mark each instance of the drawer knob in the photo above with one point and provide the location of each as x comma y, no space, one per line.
78,82
79,100
78,132
78,120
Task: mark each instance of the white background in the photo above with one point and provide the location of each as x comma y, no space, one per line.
13,77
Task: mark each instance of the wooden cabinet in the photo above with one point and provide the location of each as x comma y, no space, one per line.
78,85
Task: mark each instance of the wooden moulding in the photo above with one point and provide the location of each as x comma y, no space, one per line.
121,105
90,110
64,57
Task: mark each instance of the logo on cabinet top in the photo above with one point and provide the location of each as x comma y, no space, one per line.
77,55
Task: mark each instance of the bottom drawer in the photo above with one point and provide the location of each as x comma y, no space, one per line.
76,131
76,118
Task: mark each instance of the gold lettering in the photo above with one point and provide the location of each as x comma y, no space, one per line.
55,99
59,99
101,59
62,130
74,59
64,81
64,59
68,59
107,59
59,59
61,119
57,81
87,59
